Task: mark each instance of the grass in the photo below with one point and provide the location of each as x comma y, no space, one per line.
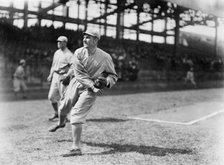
109,137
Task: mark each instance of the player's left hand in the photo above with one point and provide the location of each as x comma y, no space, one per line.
100,83
62,77
65,79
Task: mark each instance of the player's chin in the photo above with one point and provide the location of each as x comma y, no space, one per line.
85,45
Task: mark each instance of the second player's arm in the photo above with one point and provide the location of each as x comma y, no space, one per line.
52,69
112,75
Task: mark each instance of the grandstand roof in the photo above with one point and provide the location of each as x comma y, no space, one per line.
214,7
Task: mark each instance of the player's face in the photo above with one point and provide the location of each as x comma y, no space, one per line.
89,41
61,44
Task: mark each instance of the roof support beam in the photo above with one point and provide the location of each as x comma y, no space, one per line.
118,10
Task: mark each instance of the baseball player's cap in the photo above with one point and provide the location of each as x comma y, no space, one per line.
92,33
62,38
22,61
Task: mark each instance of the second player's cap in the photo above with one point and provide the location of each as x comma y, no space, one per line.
92,33
62,38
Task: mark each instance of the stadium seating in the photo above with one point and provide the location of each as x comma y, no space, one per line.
133,60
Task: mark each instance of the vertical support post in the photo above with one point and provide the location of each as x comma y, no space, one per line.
177,28
25,16
78,16
39,17
86,14
138,21
65,14
118,26
105,19
118,21
165,27
216,37
11,13
53,14
152,24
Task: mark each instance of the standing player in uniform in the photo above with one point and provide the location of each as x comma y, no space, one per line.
190,77
19,79
88,64
60,66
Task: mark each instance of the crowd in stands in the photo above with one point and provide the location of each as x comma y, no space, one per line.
37,44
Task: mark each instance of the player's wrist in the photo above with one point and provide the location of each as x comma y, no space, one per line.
93,87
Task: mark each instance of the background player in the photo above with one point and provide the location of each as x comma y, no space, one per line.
19,77
190,77
60,66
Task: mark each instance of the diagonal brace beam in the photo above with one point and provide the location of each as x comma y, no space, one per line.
51,7
113,12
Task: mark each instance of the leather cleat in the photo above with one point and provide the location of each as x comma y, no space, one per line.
56,127
73,152
53,117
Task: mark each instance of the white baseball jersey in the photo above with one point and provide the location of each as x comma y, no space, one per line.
18,81
19,73
89,67
61,60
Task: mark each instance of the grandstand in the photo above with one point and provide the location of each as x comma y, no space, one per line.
139,50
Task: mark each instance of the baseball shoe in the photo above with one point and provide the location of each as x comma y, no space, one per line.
53,117
54,128
73,152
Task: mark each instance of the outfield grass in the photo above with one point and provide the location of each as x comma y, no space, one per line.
110,137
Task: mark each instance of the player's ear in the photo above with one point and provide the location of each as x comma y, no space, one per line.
96,40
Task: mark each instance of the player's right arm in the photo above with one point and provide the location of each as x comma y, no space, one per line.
80,72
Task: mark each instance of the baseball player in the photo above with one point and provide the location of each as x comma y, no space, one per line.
19,79
88,64
190,77
60,66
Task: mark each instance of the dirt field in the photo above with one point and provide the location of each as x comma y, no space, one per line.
110,137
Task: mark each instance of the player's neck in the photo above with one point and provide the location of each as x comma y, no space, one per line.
92,50
63,48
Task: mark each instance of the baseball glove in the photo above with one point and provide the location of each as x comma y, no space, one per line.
101,82
66,80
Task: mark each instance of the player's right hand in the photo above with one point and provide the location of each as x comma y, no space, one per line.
97,91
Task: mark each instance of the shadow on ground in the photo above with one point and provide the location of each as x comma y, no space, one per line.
151,150
147,150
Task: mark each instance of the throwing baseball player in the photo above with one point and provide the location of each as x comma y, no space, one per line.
19,79
94,70
60,66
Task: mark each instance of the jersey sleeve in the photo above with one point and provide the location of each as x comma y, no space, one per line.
53,64
112,75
